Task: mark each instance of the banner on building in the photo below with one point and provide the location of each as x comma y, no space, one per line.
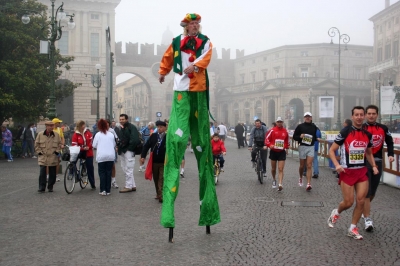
326,107
388,104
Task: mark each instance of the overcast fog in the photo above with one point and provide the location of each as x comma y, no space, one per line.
249,24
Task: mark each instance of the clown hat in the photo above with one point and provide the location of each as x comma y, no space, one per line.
190,17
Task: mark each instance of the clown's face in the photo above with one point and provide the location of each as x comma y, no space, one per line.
193,28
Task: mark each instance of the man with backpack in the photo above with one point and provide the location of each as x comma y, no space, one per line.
129,140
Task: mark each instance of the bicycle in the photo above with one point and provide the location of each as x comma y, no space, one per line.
75,171
258,165
217,170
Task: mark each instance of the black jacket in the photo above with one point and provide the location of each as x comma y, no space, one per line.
128,138
305,128
157,146
239,130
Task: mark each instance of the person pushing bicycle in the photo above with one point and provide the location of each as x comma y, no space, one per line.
218,150
256,142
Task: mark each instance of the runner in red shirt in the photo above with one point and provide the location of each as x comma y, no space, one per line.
380,135
355,144
277,140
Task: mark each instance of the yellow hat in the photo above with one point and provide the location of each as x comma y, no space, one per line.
56,120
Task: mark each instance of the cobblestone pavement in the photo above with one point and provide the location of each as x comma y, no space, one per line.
84,228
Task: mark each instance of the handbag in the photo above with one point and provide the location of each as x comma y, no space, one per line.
149,168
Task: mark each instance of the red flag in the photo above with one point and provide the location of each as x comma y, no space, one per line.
149,168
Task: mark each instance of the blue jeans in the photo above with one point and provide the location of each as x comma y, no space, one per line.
7,152
221,160
315,163
105,169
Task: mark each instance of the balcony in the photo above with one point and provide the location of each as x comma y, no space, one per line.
386,64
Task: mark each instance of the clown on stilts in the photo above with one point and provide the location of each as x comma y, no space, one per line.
188,56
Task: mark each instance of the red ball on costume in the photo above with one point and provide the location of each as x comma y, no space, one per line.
190,75
191,59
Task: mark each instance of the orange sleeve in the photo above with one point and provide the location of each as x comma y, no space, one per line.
205,58
167,62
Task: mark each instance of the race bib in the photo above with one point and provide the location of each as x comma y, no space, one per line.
279,144
356,156
307,139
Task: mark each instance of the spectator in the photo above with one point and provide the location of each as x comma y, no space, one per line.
239,130
104,142
6,140
29,137
113,172
222,131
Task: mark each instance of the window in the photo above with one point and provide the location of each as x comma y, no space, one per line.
380,29
336,53
242,63
242,79
93,107
389,24
94,16
395,49
358,54
253,61
357,73
396,20
336,72
304,72
265,58
253,77
94,45
304,53
277,55
388,51
265,75
277,73
379,54
63,43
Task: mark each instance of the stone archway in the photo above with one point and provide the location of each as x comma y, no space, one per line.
294,112
225,113
271,112
258,110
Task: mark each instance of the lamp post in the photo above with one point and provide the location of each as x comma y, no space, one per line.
96,82
54,34
310,98
332,32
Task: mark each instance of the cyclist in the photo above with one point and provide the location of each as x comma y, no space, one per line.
218,149
83,138
277,140
257,137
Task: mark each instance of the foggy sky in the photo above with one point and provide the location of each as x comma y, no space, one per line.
249,24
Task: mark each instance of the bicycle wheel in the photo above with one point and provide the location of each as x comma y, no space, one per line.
259,170
83,181
69,178
216,173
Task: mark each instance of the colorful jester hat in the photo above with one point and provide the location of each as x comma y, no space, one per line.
190,17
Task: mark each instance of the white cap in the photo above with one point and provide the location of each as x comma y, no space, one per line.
307,114
279,119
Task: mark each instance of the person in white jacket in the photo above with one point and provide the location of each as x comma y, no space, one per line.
104,142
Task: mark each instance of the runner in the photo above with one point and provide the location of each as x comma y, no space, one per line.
380,134
355,144
278,141
306,135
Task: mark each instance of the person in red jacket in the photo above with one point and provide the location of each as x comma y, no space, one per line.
218,149
277,139
83,138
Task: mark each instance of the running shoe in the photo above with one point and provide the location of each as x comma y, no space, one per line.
369,227
333,218
103,193
354,234
308,188
274,184
114,184
34,157
280,187
265,173
183,173
301,181
222,170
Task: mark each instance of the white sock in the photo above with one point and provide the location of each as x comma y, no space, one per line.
112,179
336,212
352,226
47,176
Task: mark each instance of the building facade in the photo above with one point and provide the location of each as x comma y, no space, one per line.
385,67
87,43
287,81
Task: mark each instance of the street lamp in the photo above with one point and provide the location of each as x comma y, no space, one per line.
332,32
96,82
310,98
55,34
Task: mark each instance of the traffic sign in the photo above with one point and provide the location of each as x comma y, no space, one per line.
137,119
158,114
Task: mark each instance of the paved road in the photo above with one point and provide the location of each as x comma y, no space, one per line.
85,228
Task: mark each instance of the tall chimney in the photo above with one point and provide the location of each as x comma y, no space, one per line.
387,3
